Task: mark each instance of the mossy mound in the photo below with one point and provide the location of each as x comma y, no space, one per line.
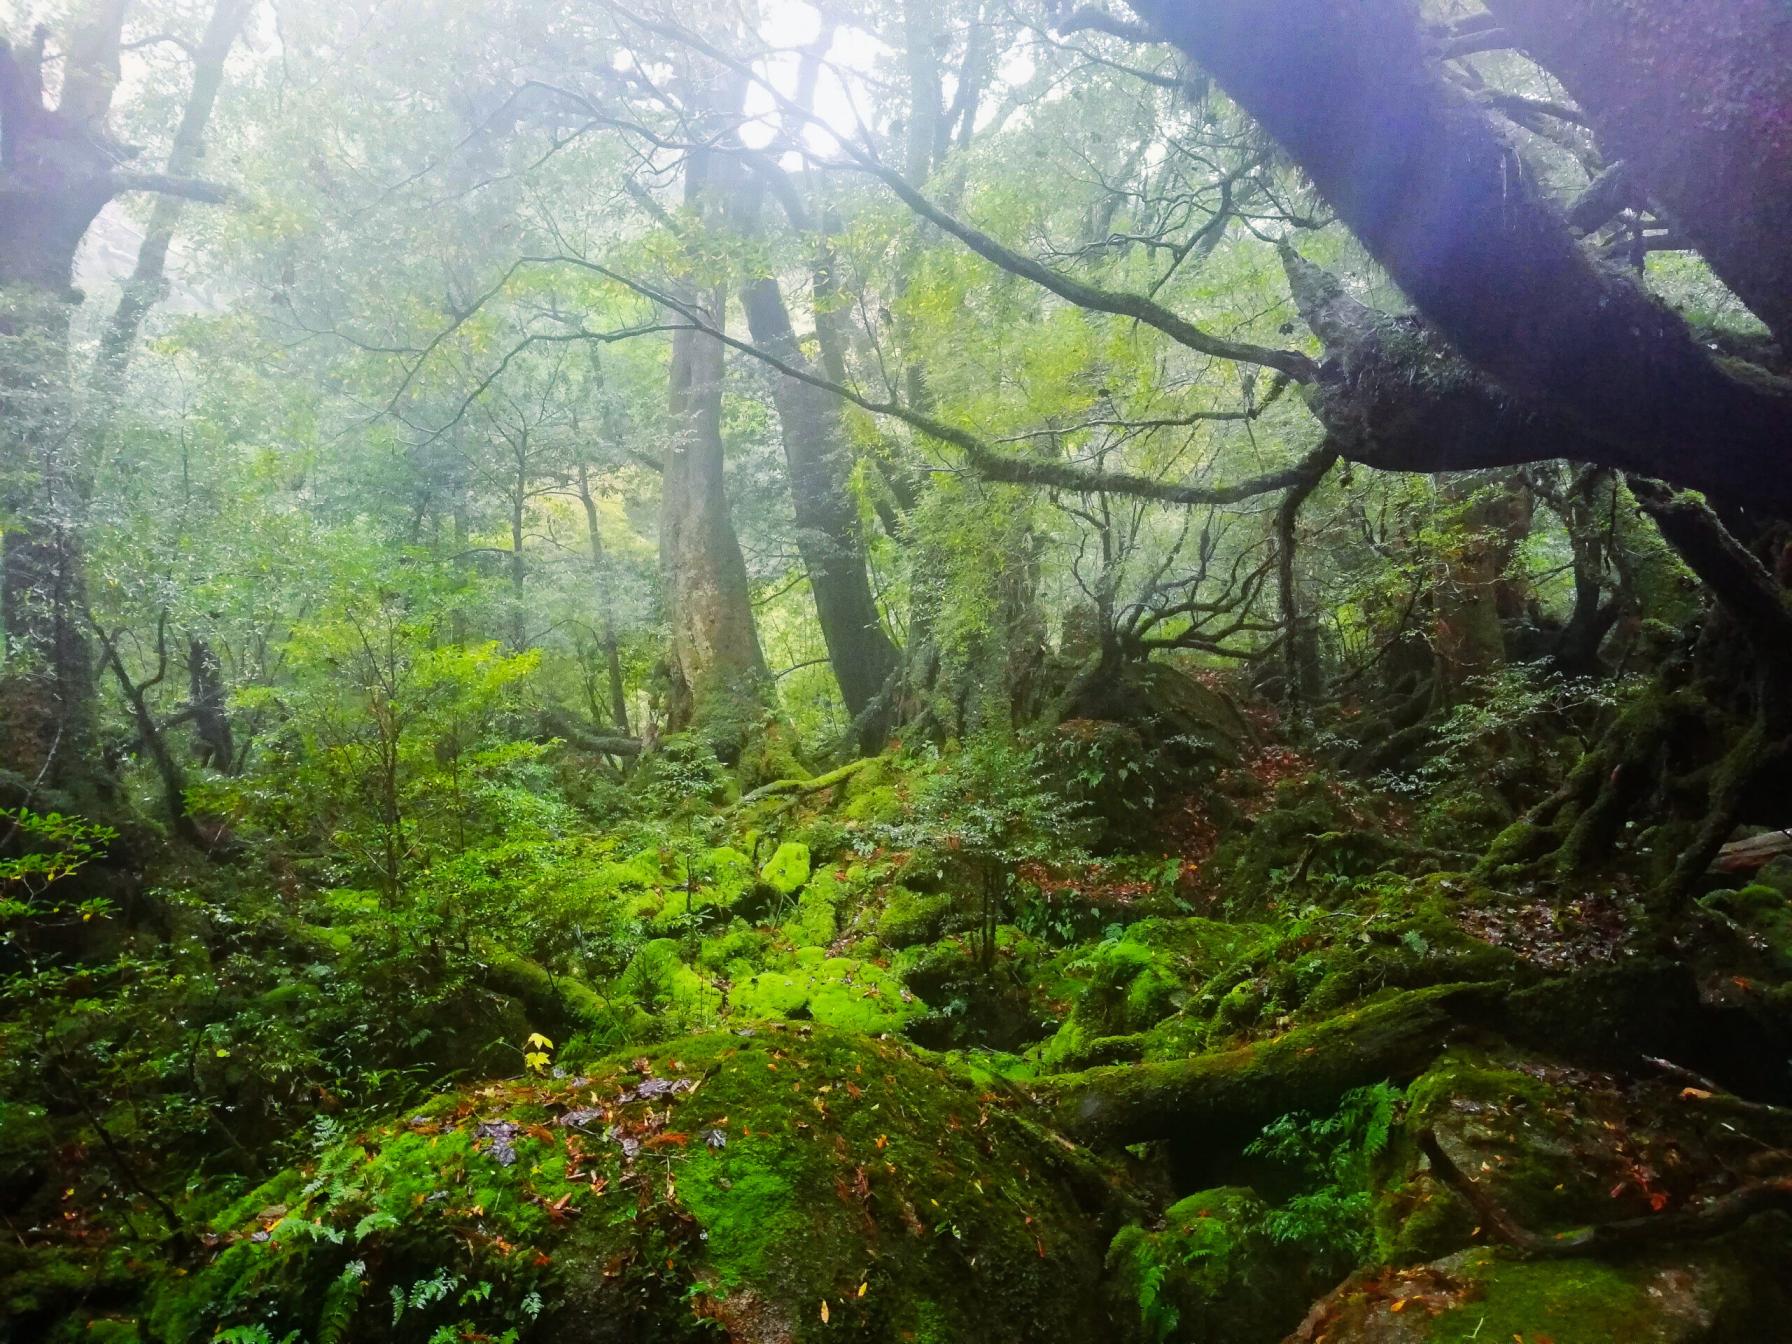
910,918
834,991
1133,982
785,1184
787,869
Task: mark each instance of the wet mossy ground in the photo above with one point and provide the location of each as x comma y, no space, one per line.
799,1169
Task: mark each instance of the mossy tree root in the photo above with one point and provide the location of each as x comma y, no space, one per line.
1228,1096
798,787
1697,1222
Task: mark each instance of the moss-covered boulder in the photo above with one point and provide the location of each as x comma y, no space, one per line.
835,991
1557,1147
787,869
1723,1293
1133,982
910,918
760,1185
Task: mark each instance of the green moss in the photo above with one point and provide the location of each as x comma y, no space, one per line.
769,1173
881,805
787,869
1477,1295
1557,1147
911,917
660,983
733,949
836,991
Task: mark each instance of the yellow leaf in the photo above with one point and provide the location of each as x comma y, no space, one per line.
536,1038
221,1053
824,1311
863,1287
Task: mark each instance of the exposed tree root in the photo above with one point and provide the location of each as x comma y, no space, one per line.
799,787
1713,1218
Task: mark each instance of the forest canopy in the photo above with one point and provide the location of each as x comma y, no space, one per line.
936,670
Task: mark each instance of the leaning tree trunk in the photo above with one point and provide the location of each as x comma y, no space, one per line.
1693,97
606,629
1418,174
828,537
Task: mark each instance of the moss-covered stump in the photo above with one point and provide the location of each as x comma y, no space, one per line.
780,1183
1723,1293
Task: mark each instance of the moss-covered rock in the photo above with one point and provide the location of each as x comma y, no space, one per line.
910,917
1725,1293
787,869
1558,1147
835,991
784,1185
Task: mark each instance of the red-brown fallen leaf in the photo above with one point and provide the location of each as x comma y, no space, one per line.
667,1141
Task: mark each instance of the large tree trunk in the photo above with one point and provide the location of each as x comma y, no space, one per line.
147,282
1446,205
55,176
717,672
827,521
1693,97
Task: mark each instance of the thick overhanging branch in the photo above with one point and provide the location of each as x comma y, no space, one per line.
1694,94
1740,582
1444,203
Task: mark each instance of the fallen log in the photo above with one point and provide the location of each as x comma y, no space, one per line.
1227,1096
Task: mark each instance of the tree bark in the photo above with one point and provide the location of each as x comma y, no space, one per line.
716,666
211,715
606,625
56,174
1693,96
146,285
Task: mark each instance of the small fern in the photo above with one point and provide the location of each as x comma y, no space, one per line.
1333,1152
340,1300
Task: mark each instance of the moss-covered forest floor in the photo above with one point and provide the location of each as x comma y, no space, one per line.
1251,1055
